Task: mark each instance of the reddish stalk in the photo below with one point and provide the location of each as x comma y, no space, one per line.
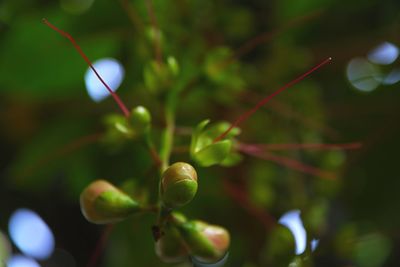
267,36
285,110
121,105
100,246
263,147
242,199
290,163
264,101
64,150
157,41
132,14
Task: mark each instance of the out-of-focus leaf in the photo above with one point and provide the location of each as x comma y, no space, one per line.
372,250
280,247
51,68
221,69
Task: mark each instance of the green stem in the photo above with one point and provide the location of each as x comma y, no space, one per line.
167,138
152,150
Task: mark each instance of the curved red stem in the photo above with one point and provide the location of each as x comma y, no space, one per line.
294,146
100,245
121,105
264,101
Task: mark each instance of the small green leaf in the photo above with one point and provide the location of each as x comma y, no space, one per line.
213,154
203,149
196,134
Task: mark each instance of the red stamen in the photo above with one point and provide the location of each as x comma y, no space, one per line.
58,153
290,163
157,41
246,115
100,246
121,105
239,195
262,147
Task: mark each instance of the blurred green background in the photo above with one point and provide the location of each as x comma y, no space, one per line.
231,54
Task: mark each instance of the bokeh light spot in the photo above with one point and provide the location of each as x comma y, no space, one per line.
112,73
31,234
363,75
392,78
314,244
21,261
384,54
293,222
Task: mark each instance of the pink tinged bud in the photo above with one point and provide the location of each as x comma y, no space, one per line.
206,243
178,185
218,236
103,203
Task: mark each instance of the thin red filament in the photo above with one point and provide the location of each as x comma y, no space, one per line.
100,245
264,101
294,146
121,104
289,163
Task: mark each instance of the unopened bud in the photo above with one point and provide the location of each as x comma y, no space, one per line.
178,185
103,203
140,120
207,243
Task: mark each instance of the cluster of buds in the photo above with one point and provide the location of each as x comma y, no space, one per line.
102,202
180,239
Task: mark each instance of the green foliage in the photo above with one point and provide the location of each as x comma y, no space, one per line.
226,57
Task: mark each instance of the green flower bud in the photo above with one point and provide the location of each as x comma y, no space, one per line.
178,185
170,248
140,120
207,243
103,203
